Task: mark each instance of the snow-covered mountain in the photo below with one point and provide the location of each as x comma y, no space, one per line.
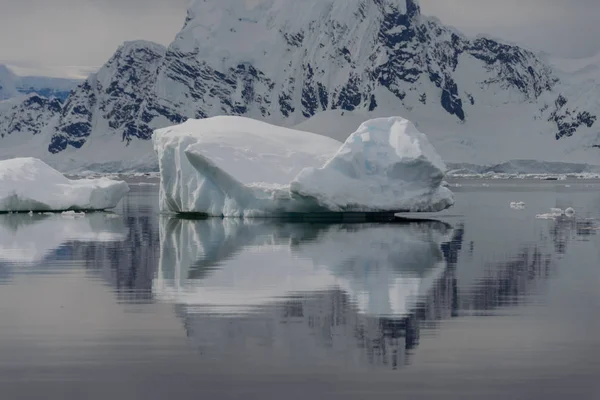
27,115
12,85
326,66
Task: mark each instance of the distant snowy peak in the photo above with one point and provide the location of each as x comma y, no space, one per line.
59,88
12,85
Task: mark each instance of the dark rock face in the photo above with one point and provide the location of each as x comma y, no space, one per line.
29,116
118,95
568,120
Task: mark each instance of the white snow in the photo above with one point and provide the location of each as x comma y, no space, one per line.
237,167
403,261
28,184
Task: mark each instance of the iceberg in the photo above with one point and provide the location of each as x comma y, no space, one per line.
29,184
386,165
239,167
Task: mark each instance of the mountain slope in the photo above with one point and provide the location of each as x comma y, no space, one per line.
325,65
113,100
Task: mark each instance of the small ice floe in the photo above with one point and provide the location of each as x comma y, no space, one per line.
143,184
486,185
557,213
112,216
72,214
517,205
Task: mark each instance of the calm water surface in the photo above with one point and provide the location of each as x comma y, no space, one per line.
484,302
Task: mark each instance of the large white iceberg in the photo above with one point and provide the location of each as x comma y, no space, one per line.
238,167
29,184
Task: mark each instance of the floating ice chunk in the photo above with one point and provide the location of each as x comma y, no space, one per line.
72,214
28,184
238,167
517,205
386,165
557,213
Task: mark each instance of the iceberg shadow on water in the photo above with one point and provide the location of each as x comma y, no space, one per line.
237,167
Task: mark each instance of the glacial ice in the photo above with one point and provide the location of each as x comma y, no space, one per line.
386,165
385,269
238,167
28,184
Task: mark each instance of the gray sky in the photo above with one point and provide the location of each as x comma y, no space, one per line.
70,37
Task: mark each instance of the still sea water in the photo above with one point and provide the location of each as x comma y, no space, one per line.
485,302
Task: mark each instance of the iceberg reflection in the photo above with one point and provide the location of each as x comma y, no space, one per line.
28,239
228,266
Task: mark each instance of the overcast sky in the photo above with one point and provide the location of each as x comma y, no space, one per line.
71,37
